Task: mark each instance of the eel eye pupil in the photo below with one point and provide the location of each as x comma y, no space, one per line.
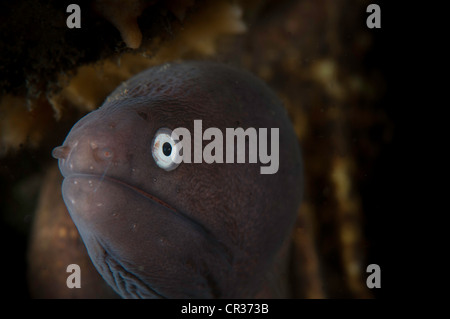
167,149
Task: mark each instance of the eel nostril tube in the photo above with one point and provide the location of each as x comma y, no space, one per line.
61,152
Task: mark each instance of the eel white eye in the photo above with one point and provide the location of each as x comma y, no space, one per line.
164,150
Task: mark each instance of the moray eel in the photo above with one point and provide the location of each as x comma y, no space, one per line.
196,230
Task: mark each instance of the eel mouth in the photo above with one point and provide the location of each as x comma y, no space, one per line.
126,185
195,224
128,283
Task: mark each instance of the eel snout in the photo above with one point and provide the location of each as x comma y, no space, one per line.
84,156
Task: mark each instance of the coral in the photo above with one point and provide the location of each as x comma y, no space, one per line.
88,85
21,123
123,15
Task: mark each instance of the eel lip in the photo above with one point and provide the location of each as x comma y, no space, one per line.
133,188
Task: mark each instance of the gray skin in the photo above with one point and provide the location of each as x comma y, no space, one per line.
200,230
